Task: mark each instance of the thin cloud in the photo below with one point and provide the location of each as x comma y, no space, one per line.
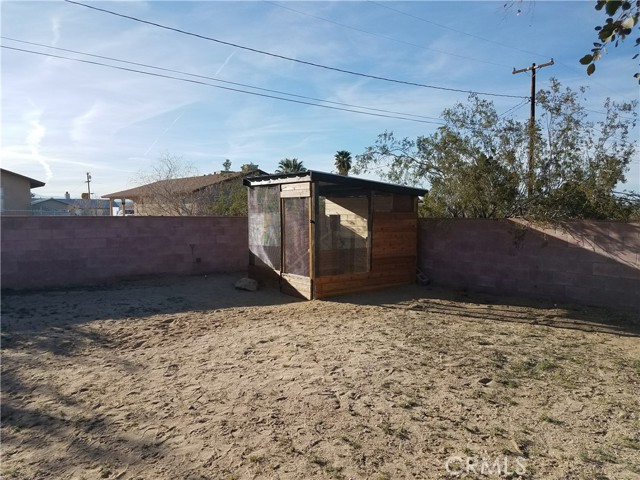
81,125
224,64
34,141
55,30
163,133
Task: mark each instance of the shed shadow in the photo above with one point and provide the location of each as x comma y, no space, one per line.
482,307
62,308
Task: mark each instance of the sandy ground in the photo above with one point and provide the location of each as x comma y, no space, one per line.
189,379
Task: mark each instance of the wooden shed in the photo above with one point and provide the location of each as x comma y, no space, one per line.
318,235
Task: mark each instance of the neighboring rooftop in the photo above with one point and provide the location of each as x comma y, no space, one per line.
77,202
182,185
33,183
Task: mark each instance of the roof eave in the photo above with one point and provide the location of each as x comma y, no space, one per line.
316,176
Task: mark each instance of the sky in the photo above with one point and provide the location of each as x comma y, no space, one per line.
61,119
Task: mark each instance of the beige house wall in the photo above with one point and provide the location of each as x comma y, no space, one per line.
15,194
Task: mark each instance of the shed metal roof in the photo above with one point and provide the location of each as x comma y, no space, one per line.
346,181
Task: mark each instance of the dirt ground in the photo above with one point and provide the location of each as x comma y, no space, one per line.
189,378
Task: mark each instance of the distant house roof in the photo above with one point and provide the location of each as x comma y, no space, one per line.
95,203
182,185
75,202
32,182
331,178
39,201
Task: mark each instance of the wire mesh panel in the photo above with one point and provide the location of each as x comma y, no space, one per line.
265,244
342,233
296,236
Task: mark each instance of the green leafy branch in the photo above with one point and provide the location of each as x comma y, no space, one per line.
623,16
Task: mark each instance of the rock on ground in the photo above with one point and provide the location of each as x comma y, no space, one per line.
248,284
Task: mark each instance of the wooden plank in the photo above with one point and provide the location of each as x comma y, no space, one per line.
296,279
349,287
394,235
382,203
385,237
407,261
296,285
401,227
321,295
325,279
295,190
294,194
391,218
355,286
312,234
395,251
384,216
264,275
331,290
406,239
354,278
409,240
303,186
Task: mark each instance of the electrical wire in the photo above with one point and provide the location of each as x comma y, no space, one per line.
461,32
514,109
384,36
477,37
605,113
221,81
218,86
304,62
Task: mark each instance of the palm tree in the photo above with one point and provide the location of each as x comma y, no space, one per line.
290,165
343,162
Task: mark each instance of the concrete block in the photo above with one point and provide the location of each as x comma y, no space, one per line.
615,270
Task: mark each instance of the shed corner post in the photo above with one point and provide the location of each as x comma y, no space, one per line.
370,239
313,218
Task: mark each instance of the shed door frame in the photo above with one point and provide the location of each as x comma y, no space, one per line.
300,283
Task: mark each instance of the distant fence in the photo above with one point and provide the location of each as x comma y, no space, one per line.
595,263
39,252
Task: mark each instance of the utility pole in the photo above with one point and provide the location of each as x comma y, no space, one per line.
532,122
88,182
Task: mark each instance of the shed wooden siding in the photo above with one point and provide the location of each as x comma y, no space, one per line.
393,258
362,234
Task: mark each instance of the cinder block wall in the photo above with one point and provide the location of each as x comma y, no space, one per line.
594,263
59,251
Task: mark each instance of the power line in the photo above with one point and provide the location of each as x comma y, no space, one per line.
222,81
514,109
478,37
461,32
217,86
304,62
384,36
605,113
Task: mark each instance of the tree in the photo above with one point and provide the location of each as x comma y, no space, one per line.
174,189
622,17
343,162
226,165
230,199
162,194
290,165
476,164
